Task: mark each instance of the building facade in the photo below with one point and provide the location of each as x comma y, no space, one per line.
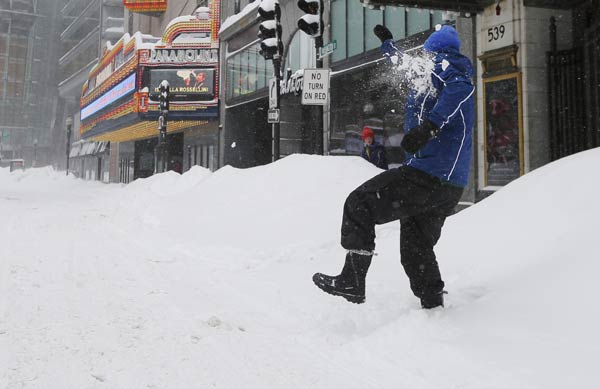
538,85
536,76
87,25
362,94
247,74
175,41
28,78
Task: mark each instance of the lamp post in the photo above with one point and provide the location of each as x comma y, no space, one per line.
69,123
35,142
189,149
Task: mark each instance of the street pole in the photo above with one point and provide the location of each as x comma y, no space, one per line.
277,126
162,126
319,132
271,48
69,123
277,69
189,150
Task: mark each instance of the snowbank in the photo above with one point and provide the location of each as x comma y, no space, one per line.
203,280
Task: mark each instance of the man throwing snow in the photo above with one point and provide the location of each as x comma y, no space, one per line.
425,190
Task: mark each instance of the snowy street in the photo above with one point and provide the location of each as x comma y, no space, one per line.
203,280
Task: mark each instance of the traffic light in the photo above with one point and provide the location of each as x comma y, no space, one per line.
269,30
163,99
311,22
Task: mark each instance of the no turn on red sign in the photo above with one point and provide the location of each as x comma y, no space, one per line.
315,90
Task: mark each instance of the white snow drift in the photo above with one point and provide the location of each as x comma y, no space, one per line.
204,280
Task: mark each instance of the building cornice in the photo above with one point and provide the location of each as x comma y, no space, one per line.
242,21
448,5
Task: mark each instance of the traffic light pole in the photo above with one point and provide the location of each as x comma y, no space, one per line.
277,70
69,125
319,149
277,126
271,48
161,148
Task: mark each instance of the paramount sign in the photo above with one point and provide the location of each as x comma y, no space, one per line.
202,56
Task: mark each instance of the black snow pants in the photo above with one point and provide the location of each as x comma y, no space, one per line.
421,202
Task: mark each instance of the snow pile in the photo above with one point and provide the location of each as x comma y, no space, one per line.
204,280
169,183
39,179
142,41
259,208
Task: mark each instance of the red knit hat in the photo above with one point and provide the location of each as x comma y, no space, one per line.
367,133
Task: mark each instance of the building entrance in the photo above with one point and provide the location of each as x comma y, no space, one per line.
574,85
144,155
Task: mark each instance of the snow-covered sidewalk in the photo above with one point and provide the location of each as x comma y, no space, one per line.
204,280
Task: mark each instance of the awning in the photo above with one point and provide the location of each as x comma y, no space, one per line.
147,129
86,148
564,4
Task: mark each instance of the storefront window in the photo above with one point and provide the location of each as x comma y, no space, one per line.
253,72
352,25
418,20
338,28
503,129
261,73
372,18
237,75
395,20
247,72
366,99
230,77
355,31
244,73
436,18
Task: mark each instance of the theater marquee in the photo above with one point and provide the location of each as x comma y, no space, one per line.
179,56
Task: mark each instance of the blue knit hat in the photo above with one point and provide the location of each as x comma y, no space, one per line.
443,38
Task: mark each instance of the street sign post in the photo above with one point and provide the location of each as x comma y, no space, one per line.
273,116
327,49
273,94
316,87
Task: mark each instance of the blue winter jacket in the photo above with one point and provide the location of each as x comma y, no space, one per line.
450,105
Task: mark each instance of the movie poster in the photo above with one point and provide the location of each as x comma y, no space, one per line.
502,130
185,84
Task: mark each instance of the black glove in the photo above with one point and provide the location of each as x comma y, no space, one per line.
383,33
419,136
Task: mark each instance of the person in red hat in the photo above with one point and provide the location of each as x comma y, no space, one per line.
373,151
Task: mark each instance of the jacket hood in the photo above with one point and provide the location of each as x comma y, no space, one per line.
442,40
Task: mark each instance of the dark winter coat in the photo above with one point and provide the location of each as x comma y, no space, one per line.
450,105
375,154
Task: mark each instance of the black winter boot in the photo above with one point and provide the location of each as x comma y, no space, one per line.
433,300
350,284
